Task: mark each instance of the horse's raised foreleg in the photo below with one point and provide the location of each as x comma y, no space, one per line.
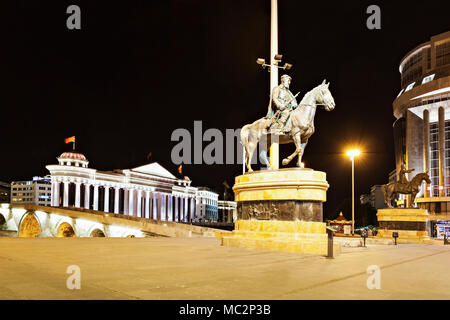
298,149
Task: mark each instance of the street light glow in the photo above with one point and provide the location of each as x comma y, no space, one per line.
353,153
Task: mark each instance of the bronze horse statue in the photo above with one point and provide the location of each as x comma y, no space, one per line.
391,190
301,129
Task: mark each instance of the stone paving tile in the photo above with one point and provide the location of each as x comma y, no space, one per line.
199,268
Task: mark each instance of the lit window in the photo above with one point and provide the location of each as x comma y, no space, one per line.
410,86
428,78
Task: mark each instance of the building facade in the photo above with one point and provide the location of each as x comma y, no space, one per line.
5,192
227,211
207,201
422,126
37,191
148,191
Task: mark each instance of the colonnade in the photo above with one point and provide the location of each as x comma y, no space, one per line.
124,200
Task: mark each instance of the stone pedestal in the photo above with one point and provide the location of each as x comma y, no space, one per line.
411,224
280,210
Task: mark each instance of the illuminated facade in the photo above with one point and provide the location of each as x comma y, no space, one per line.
422,128
148,191
36,191
206,205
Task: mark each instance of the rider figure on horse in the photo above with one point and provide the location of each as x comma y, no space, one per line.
284,101
402,175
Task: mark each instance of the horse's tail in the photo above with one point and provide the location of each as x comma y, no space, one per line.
244,137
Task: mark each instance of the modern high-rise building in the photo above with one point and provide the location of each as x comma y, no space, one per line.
422,128
37,191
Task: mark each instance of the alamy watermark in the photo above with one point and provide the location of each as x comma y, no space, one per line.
374,280
74,280
220,148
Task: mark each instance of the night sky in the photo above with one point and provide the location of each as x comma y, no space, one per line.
138,70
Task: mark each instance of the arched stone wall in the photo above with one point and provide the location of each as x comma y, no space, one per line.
65,230
29,226
2,221
97,233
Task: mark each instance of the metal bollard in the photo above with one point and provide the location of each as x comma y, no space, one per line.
364,235
330,232
395,236
446,239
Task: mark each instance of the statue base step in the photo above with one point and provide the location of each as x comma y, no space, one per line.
411,224
285,236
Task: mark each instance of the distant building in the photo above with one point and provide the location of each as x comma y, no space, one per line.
207,202
364,199
376,197
393,176
5,192
227,211
37,191
149,191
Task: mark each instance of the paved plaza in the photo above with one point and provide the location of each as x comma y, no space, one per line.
199,268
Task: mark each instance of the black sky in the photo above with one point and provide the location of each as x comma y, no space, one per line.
137,70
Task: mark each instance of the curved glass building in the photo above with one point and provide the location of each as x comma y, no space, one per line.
422,127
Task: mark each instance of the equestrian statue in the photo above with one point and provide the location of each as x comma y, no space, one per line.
403,186
291,122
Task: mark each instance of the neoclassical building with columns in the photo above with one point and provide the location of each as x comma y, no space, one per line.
148,191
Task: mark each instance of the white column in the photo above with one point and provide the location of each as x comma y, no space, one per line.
163,207
125,200
182,209
95,197
139,204
56,195
192,209
106,205
116,199
77,194
176,209
186,208
87,194
155,205
131,203
53,194
147,204
170,208
66,194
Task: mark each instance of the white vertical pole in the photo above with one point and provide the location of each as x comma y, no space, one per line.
353,195
274,146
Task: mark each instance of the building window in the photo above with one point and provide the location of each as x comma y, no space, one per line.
434,161
428,78
443,54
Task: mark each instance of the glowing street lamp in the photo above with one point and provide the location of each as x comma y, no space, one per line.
352,154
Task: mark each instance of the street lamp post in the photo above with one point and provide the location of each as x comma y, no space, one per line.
352,154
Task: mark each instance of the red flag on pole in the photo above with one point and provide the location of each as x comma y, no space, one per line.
69,140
